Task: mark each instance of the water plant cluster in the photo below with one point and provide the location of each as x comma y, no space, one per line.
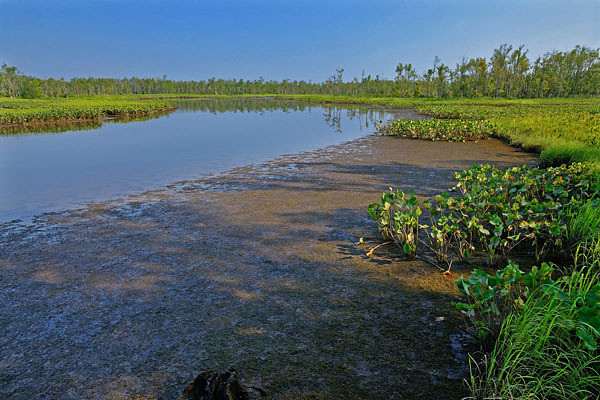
452,130
495,215
21,111
562,132
524,213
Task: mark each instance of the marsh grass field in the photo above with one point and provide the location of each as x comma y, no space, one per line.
16,111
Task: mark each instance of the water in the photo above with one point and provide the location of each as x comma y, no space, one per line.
53,170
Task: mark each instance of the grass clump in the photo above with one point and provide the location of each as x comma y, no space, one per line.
584,222
542,351
583,233
562,152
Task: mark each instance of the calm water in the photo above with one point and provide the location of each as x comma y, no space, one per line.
41,172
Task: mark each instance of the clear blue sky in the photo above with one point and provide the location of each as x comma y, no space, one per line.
297,39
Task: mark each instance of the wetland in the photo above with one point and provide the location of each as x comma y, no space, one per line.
239,251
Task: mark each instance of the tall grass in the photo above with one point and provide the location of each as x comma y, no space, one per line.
584,222
560,152
537,355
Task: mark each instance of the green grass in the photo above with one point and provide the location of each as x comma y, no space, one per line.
25,111
537,355
584,223
583,233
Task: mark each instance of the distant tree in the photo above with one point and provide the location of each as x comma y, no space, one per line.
499,64
10,80
441,79
507,73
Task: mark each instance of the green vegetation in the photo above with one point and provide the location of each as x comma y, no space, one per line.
23,111
539,333
496,215
547,347
563,132
539,330
452,130
398,219
76,125
492,298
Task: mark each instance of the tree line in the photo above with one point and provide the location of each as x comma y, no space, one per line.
509,72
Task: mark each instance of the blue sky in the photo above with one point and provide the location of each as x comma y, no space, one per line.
300,39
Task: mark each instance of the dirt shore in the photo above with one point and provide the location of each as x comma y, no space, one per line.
255,268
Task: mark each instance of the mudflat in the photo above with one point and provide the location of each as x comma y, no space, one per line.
256,268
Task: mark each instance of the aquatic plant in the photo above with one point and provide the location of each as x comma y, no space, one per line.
397,217
491,298
452,130
496,213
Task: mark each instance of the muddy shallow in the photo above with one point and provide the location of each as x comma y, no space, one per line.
255,268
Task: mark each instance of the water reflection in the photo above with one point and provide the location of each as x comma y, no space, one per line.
50,172
332,113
